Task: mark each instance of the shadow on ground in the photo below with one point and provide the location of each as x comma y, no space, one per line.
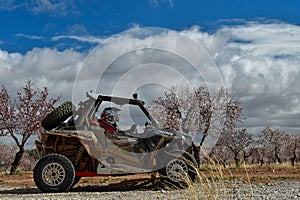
126,185
131,185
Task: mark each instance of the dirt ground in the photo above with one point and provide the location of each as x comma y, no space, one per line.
250,174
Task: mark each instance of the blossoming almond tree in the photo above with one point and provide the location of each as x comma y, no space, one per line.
234,138
190,111
278,141
6,155
21,117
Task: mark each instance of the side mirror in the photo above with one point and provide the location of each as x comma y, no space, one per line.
135,96
147,124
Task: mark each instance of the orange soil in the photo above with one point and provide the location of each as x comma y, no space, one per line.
253,174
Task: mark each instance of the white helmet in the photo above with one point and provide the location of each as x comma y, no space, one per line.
110,115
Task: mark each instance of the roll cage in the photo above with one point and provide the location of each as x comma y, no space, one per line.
91,105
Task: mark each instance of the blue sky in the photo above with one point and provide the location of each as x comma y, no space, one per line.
254,44
30,24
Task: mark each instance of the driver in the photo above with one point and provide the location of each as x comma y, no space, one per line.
109,118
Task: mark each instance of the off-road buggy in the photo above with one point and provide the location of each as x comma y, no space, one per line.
73,145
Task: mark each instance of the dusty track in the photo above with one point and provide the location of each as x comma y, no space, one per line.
22,186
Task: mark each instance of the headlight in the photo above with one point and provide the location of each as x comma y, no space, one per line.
186,140
166,133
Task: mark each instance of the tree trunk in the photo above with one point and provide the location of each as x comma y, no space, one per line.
237,160
205,133
246,156
277,156
293,159
196,151
17,160
224,164
261,162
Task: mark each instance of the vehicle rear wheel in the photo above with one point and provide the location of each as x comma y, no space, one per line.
58,115
54,173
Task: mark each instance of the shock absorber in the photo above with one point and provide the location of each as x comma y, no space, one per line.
79,155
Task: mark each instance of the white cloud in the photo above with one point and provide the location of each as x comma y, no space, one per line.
49,6
259,63
172,59
45,67
77,29
10,5
156,3
32,37
52,7
88,39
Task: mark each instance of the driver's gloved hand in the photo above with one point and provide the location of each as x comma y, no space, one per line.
132,129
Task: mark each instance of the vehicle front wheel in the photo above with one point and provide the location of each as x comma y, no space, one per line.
54,173
181,168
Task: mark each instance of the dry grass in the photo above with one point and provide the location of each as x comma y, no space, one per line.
256,173
212,180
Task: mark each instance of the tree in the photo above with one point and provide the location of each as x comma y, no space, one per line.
292,146
234,138
275,139
21,117
220,154
189,111
237,141
6,155
167,110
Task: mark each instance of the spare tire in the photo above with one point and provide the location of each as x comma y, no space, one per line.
58,115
